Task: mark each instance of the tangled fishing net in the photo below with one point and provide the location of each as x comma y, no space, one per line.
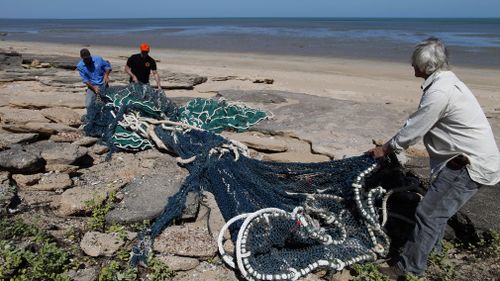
285,219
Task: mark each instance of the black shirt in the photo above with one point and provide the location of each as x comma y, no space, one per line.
141,67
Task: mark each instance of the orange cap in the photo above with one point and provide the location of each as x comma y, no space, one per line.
144,47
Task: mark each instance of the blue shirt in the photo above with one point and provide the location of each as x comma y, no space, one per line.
94,74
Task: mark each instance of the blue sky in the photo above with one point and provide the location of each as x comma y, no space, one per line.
256,8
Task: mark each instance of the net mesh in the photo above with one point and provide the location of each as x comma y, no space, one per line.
286,219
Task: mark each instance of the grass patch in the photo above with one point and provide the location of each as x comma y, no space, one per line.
99,207
39,258
368,272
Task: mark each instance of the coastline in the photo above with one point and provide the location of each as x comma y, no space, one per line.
365,81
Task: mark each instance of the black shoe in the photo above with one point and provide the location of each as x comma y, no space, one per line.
394,273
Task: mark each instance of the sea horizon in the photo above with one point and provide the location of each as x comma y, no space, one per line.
471,41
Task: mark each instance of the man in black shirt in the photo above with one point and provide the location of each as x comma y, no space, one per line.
139,66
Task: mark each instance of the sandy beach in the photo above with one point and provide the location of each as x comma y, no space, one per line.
369,82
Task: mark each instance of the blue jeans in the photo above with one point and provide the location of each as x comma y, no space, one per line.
447,194
89,97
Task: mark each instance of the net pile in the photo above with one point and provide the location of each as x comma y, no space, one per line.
103,118
286,219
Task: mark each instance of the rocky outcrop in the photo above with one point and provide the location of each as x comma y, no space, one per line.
58,61
324,122
173,80
18,160
7,139
21,116
39,128
64,153
10,61
48,100
62,115
146,197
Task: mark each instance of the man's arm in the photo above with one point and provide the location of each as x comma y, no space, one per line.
94,88
430,110
106,76
157,78
129,72
107,69
86,80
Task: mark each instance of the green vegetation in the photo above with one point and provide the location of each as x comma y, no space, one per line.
99,207
39,259
488,247
159,271
368,272
117,271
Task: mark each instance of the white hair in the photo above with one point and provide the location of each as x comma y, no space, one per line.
430,55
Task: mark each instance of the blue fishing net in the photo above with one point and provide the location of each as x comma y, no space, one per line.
286,219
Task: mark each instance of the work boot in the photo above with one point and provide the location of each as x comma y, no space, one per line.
394,273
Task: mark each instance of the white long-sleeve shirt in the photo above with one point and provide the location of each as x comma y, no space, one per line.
451,122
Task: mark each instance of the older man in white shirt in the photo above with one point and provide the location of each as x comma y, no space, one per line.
462,149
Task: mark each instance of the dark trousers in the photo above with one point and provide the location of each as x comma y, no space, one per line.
447,194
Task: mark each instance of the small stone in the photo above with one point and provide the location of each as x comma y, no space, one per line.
177,263
97,244
85,141
99,149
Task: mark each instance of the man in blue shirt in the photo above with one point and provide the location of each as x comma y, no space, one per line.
94,71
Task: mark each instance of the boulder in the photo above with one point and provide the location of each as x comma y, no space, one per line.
18,160
62,115
146,197
189,240
177,263
97,244
75,200
183,79
21,116
64,153
7,139
25,181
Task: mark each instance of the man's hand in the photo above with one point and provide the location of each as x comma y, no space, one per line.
97,90
134,79
379,151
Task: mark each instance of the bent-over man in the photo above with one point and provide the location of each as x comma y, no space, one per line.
94,71
462,149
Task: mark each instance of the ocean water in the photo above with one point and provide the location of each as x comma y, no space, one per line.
470,41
